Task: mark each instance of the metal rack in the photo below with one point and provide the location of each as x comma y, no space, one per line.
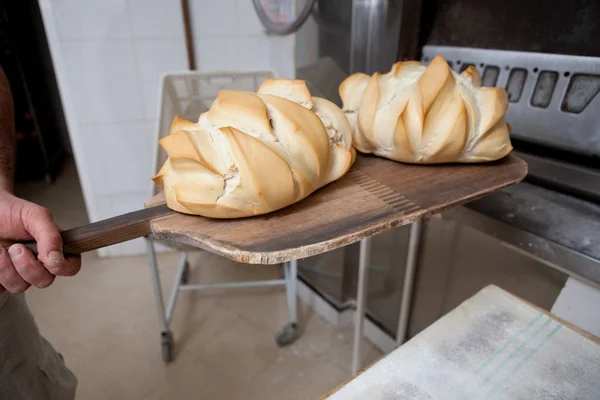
288,333
187,94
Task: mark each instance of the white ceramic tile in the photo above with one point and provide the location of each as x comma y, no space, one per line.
127,157
91,19
253,53
216,54
103,81
122,204
93,156
247,19
79,84
152,138
213,18
104,208
156,18
154,58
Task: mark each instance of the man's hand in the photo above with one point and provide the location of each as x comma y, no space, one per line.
19,268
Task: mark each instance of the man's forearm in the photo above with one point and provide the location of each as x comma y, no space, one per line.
7,135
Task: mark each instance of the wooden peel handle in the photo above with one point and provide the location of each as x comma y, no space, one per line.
109,231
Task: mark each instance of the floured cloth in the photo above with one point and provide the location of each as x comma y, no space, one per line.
492,346
30,368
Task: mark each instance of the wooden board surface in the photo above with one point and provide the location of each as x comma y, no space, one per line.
375,195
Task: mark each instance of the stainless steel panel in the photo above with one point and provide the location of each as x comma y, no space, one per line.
333,20
568,260
544,26
325,273
386,272
570,120
457,261
375,35
323,79
359,35
575,179
334,276
354,36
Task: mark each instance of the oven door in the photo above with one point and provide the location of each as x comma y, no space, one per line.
455,260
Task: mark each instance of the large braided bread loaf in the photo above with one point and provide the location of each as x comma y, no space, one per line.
419,114
254,153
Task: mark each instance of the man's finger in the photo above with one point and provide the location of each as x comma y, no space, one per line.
69,267
9,278
39,224
30,268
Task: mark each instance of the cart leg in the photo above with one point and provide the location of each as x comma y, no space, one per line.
414,240
289,333
292,290
166,342
166,337
361,299
185,277
181,268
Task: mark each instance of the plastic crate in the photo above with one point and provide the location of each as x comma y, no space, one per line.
188,94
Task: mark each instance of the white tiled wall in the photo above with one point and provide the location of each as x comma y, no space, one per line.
89,20
104,80
113,53
153,58
228,35
109,56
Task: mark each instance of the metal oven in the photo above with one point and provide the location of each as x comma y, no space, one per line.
528,238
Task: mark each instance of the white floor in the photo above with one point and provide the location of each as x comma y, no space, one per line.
104,323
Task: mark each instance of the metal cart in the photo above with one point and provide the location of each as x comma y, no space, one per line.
187,94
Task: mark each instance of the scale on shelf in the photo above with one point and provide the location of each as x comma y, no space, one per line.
279,16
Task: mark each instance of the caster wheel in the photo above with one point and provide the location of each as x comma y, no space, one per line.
185,277
287,335
166,341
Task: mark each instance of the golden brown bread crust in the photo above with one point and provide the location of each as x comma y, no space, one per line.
254,153
419,114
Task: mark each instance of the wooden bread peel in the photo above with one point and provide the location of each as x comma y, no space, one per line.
110,231
375,195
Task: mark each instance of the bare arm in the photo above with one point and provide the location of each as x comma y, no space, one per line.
22,220
7,135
